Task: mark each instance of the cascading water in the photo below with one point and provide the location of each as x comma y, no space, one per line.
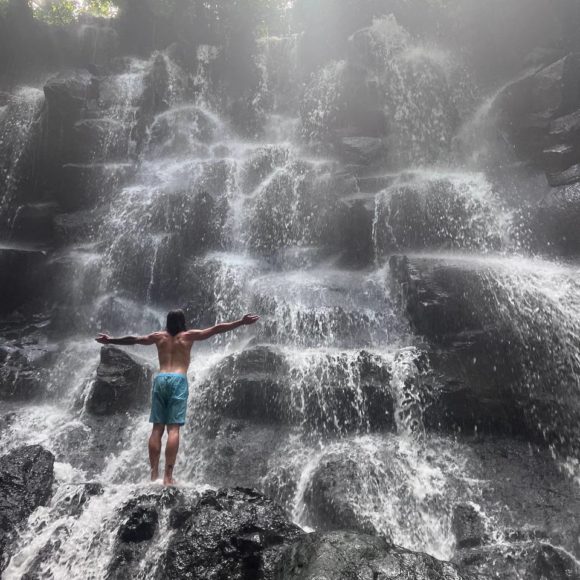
19,120
326,405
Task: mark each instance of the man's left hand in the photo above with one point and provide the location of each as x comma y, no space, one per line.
103,338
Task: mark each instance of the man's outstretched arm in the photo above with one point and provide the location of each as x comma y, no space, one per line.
222,327
127,340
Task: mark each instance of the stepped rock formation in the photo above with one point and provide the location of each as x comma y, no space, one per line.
393,186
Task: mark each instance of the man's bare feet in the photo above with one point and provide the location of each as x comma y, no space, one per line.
154,474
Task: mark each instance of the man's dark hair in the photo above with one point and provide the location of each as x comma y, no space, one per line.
175,322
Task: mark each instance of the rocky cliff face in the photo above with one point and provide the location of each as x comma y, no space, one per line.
410,393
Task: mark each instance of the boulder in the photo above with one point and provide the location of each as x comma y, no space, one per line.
541,116
502,367
528,106
251,384
329,495
26,478
66,94
529,560
347,555
468,526
138,524
232,533
239,451
123,384
336,393
438,213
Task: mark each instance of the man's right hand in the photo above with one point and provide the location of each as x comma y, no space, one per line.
103,338
250,319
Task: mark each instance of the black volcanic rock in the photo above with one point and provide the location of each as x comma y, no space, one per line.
140,526
250,384
347,555
233,533
501,368
257,384
22,276
26,477
468,526
555,220
123,384
25,357
66,93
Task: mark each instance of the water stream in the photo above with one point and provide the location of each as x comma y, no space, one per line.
211,220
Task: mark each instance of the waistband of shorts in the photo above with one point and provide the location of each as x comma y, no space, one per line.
172,375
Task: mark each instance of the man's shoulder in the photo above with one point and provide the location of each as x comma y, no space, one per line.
159,335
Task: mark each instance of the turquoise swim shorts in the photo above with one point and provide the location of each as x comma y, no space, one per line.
169,399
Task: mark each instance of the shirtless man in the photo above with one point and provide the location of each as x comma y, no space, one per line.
170,389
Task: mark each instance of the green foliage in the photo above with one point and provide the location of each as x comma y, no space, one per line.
66,11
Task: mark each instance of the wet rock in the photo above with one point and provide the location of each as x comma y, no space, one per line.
529,560
334,394
482,342
556,218
356,234
83,185
566,129
35,569
140,525
77,226
261,163
433,214
566,177
76,496
328,496
238,452
364,151
559,158
180,130
233,533
26,478
99,140
123,383
528,106
66,94
24,370
33,223
22,276
555,564
251,384
347,555
139,520
468,526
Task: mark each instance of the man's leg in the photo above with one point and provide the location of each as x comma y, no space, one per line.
171,448
155,449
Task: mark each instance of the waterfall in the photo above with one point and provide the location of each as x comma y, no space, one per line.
340,404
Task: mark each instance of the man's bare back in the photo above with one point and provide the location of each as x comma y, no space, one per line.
170,389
